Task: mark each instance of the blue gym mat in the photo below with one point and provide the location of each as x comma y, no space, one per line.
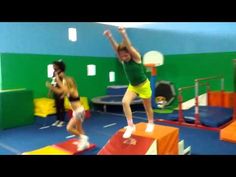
209,116
100,127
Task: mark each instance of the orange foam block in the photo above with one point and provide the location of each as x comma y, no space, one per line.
234,105
166,138
228,99
70,146
229,133
214,98
221,99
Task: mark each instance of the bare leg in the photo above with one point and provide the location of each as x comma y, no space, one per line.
127,99
148,107
80,128
75,127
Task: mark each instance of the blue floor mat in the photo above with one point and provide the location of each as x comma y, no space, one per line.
31,137
28,138
210,116
172,116
100,127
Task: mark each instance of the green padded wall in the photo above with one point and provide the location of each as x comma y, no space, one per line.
0,72
234,64
30,71
16,108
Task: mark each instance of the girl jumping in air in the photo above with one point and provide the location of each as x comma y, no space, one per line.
139,85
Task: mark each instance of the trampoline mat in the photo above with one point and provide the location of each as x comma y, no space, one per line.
113,100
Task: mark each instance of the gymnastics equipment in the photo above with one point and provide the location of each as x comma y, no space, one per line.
228,133
71,146
163,140
114,98
182,150
212,117
68,147
164,90
16,108
46,106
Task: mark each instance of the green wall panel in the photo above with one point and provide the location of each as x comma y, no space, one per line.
30,71
16,108
0,71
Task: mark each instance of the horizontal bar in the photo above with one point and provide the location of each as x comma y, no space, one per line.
208,78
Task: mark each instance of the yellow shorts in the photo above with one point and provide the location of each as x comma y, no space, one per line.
143,90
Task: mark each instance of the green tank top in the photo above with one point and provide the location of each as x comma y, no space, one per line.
135,72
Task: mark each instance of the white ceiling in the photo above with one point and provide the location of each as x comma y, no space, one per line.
218,27
127,24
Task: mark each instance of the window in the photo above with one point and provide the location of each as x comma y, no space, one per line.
72,32
91,70
112,76
50,70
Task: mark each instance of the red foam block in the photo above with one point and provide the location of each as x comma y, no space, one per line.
71,147
136,145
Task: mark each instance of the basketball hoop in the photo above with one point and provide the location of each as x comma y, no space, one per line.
153,58
150,65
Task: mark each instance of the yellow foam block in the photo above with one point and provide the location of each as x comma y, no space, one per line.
43,101
44,109
84,101
67,103
44,114
48,150
46,106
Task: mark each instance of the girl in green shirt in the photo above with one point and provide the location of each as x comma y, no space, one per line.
139,85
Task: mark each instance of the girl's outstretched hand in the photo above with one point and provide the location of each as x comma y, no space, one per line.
107,33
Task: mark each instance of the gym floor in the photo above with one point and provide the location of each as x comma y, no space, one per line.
100,127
